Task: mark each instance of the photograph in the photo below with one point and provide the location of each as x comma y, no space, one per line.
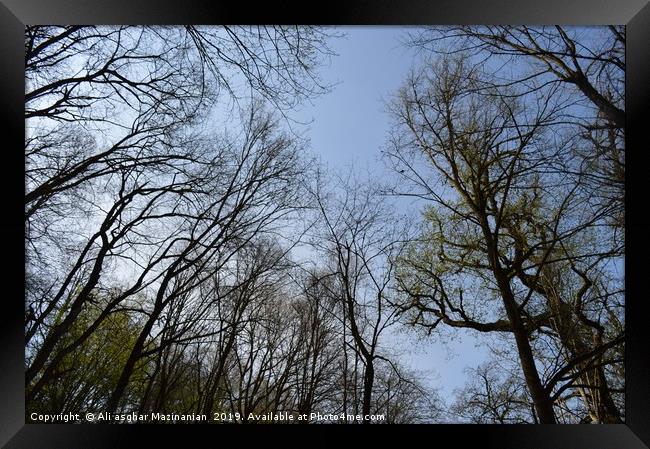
421,222
314,224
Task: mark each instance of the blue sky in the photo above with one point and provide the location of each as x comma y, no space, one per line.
350,123
349,126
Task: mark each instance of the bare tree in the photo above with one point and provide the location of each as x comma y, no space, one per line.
126,196
586,65
496,180
490,397
361,243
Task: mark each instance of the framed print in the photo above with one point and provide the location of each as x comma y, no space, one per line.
249,218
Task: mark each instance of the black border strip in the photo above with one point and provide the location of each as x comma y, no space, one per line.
341,12
15,13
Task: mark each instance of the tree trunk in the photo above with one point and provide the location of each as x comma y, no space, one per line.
129,367
541,399
368,381
597,396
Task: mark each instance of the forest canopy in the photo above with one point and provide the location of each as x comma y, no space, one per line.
188,252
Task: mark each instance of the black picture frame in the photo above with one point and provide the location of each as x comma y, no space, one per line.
14,14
